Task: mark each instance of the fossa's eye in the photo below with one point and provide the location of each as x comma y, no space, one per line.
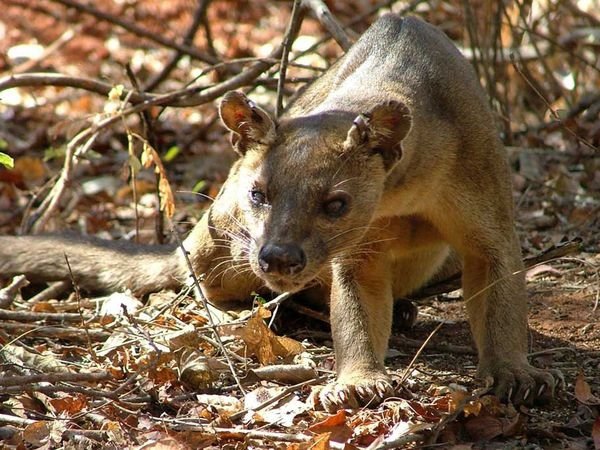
336,205
257,197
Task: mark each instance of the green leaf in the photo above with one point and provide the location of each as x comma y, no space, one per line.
258,298
172,153
6,160
55,153
199,186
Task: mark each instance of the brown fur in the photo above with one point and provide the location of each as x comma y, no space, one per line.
378,168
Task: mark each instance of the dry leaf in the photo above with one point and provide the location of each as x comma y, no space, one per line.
37,433
167,200
44,362
335,426
283,412
336,420
167,443
583,392
115,432
320,442
265,344
483,428
70,404
182,338
115,303
43,307
223,404
31,169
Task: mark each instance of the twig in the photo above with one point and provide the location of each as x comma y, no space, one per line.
243,433
52,291
83,322
418,353
53,378
307,311
277,301
8,294
149,137
137,30
204,301
69,34
321,11
288,40
45,389
397,442
403,341
188,39
40,217
8,419
181,98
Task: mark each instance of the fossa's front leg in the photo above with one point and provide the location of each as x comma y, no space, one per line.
361,317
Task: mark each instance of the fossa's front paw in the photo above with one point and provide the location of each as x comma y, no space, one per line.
356,390
523,384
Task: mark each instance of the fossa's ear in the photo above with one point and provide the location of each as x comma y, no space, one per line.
247,121
381,130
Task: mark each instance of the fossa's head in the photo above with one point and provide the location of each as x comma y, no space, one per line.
308,187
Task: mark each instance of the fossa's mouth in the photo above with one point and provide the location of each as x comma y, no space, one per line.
285,284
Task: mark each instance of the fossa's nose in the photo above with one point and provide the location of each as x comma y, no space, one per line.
283,259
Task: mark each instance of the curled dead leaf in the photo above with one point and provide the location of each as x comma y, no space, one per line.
583,392
194,369
167,199
263,343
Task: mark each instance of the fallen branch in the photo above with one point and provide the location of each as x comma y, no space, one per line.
20,330
21,380
30,316
98,435
8,294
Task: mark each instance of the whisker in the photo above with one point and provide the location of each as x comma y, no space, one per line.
343,181
200,194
